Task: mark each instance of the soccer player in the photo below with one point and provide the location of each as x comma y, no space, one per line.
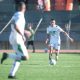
31,38
53,38
17,40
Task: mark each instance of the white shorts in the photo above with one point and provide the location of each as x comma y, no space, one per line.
18,45
55,45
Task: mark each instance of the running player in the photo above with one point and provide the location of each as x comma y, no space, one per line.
17,40
53,37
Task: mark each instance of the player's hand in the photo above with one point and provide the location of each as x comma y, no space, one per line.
46,41
71,40
24,38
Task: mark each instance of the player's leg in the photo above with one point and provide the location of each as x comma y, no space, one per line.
28,43
14,69
17,60
50,53
4,57
22,54
57,50
57,54
11,55
33,47
32,43
23,51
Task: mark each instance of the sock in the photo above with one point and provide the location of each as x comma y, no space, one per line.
14,68
57,53
50,56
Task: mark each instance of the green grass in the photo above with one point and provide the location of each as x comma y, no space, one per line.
37,68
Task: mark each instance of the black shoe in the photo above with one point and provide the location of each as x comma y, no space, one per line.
4,57
11,77
33,52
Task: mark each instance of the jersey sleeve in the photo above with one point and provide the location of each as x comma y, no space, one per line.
13,19
60,29
17,20
48,30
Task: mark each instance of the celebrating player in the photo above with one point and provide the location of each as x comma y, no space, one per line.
53,37
17,40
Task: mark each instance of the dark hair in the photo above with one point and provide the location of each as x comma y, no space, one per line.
20,5
52,19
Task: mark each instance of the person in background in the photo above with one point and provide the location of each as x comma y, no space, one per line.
53,39
31,38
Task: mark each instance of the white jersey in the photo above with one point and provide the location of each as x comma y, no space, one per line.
19,20
54,33
15,38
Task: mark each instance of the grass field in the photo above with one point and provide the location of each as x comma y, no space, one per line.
37,68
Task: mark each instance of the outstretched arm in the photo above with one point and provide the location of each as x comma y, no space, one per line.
68,36
48,38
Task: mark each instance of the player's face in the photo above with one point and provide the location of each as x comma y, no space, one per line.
24,8
53,22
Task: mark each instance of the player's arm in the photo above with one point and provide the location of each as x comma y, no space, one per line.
47,40
68,36
17,29
48,36
61,30
32,31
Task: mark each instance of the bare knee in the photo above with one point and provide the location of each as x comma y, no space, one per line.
24,58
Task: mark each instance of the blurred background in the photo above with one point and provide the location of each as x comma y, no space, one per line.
65,12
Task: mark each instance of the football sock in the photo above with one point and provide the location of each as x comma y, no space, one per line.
14,68
57,53
50,56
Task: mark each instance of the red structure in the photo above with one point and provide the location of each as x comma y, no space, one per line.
47,5
60,4
69,5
